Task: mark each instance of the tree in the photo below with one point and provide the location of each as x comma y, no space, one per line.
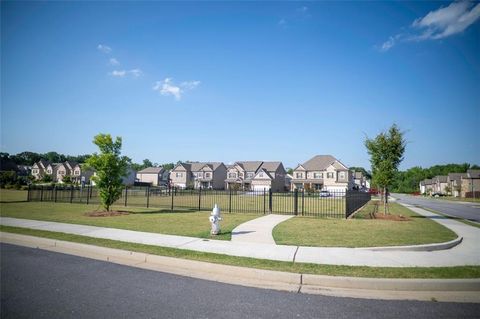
448,190
47,178
386,153
110,167
289,170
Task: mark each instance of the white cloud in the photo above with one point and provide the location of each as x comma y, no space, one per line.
438,24
113,61
167,87
135,72
189,85
122,73
104,48
119,73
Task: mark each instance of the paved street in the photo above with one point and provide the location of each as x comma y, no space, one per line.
470,211
42,284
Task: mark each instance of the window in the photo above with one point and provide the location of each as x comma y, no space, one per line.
49,171
232,175
330,175
249,175
77,172
317,175
178,174
61,172
207,175
298,175
260,175
34,171
200,175
342,175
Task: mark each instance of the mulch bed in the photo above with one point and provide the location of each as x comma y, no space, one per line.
111,213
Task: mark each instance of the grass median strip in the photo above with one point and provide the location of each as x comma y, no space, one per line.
362,231
331,270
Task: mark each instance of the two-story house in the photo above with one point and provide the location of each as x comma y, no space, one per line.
322,172
439,184
39,169
454,181
256,175
205,175
471,184
155,176
64,169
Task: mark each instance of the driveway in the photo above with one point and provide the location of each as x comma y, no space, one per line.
470,211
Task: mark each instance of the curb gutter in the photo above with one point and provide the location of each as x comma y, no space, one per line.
451,290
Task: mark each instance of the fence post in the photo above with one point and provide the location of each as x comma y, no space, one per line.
55,194
71,194
88,193
126,194
171,191
303,201
41,193
346,203
148,196
264,202
230,200
295,202
199,197
270,199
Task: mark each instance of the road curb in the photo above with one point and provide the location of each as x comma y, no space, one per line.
423,247
452,290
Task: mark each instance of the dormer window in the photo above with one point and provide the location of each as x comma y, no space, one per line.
207,175
232,175
298,175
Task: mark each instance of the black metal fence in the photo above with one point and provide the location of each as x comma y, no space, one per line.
334,204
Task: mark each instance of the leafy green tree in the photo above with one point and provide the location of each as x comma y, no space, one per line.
110,167
289,170
168,166
448,190
386,153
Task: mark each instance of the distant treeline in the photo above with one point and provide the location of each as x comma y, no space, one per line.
8,162
408,181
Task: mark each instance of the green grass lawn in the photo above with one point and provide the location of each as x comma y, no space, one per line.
362,231
185,223
304,268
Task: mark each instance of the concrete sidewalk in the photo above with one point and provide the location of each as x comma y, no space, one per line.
465,253
258,230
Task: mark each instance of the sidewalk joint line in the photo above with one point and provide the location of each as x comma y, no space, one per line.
295,254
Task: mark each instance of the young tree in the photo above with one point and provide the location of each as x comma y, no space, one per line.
386,153
110,167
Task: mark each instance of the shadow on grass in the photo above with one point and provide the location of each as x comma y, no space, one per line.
13,201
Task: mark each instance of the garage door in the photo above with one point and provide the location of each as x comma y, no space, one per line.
261,187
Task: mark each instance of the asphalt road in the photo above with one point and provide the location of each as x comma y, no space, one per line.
41,284
470,211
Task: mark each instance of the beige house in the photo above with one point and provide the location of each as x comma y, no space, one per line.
39,169
155,176
471,184
359,180
204,175
256,175
454,181
439,183
59,170
322,172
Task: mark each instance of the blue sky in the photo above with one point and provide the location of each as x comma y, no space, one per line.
227,81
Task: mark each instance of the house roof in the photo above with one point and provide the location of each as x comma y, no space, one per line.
263,170
250,166
441,178
428,182
473,173
456,176
320,162
151,170
194,167
43,163
270,166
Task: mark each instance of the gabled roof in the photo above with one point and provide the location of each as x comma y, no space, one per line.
70,164
270,166
250,166
151,170
456,176
428,182
263,170
195,167
43,163
321,162
473,173
440,179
